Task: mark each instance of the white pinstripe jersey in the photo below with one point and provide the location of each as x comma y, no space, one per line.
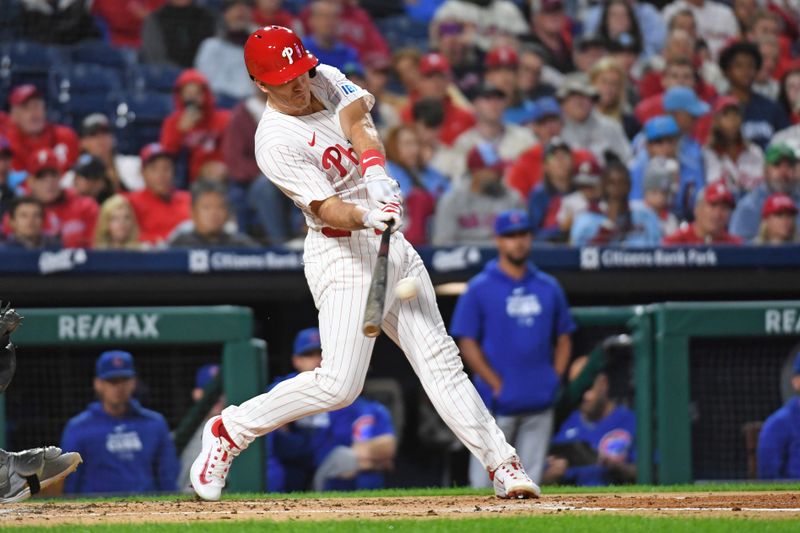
308,157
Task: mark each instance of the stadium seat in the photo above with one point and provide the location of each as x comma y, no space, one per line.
28,56
138,119
152,78
99,53
401,32
84,79
9,22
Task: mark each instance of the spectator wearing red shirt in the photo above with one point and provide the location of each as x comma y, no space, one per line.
28,131
433,84
712,212
66,214
195,125
357,30
159,207
124,19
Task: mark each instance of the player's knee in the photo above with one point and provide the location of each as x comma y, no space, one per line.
339,393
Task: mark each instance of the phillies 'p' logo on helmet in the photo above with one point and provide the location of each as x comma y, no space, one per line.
275,55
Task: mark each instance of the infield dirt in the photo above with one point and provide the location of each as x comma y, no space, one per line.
764,505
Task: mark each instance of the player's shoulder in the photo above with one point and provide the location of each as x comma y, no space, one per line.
547,279
150,415
84,418
782,418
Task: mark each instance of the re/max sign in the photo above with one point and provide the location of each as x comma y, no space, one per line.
782,321
112,326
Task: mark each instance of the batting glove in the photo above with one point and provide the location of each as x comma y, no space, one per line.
379,218
380,186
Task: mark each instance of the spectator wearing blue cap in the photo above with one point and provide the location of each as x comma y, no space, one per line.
683,104
127,449
779,442
618,221
465,215
204,375
346,449
663,139
762,117
513,326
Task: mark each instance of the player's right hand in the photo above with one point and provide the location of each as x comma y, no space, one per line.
379,218
380,186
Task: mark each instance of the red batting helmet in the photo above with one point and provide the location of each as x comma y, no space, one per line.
275,55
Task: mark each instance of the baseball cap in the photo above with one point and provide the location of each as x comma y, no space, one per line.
90,167
684,99
555,144
779,152
576,83
153,151
588,174
5,146
724,102
501,57
487,90
44,159
511,221
661,127
778,203
483,155
717,193
545,107
23,93
94,124
434,63
659,174
205,374
114,364
307,340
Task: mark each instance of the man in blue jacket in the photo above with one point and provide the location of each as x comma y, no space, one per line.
779,442
126,448
513,326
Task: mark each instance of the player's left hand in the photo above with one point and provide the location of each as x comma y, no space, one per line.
379,218
380,186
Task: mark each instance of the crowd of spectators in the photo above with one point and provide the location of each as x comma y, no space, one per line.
615,122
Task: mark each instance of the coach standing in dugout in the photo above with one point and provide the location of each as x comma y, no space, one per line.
127,448
513,326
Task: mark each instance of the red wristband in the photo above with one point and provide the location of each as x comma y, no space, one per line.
371,158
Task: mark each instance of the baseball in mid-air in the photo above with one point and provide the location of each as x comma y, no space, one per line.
406,288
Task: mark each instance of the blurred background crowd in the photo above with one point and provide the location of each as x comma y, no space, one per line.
128,124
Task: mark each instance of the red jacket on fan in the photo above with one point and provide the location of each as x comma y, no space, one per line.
204,140
60,139
72,217
158,216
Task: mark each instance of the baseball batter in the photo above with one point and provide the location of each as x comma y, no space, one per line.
317,143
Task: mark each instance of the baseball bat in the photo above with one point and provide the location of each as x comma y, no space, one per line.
376,298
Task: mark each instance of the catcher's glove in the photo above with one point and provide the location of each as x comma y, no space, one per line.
9,321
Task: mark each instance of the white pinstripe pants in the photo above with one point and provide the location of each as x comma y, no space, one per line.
339,272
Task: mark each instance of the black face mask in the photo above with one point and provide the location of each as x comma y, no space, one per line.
492,188
237,37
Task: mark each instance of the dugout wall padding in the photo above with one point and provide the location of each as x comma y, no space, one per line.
676,328
243,358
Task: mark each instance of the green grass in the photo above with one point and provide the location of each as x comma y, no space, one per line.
539,524
466,491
